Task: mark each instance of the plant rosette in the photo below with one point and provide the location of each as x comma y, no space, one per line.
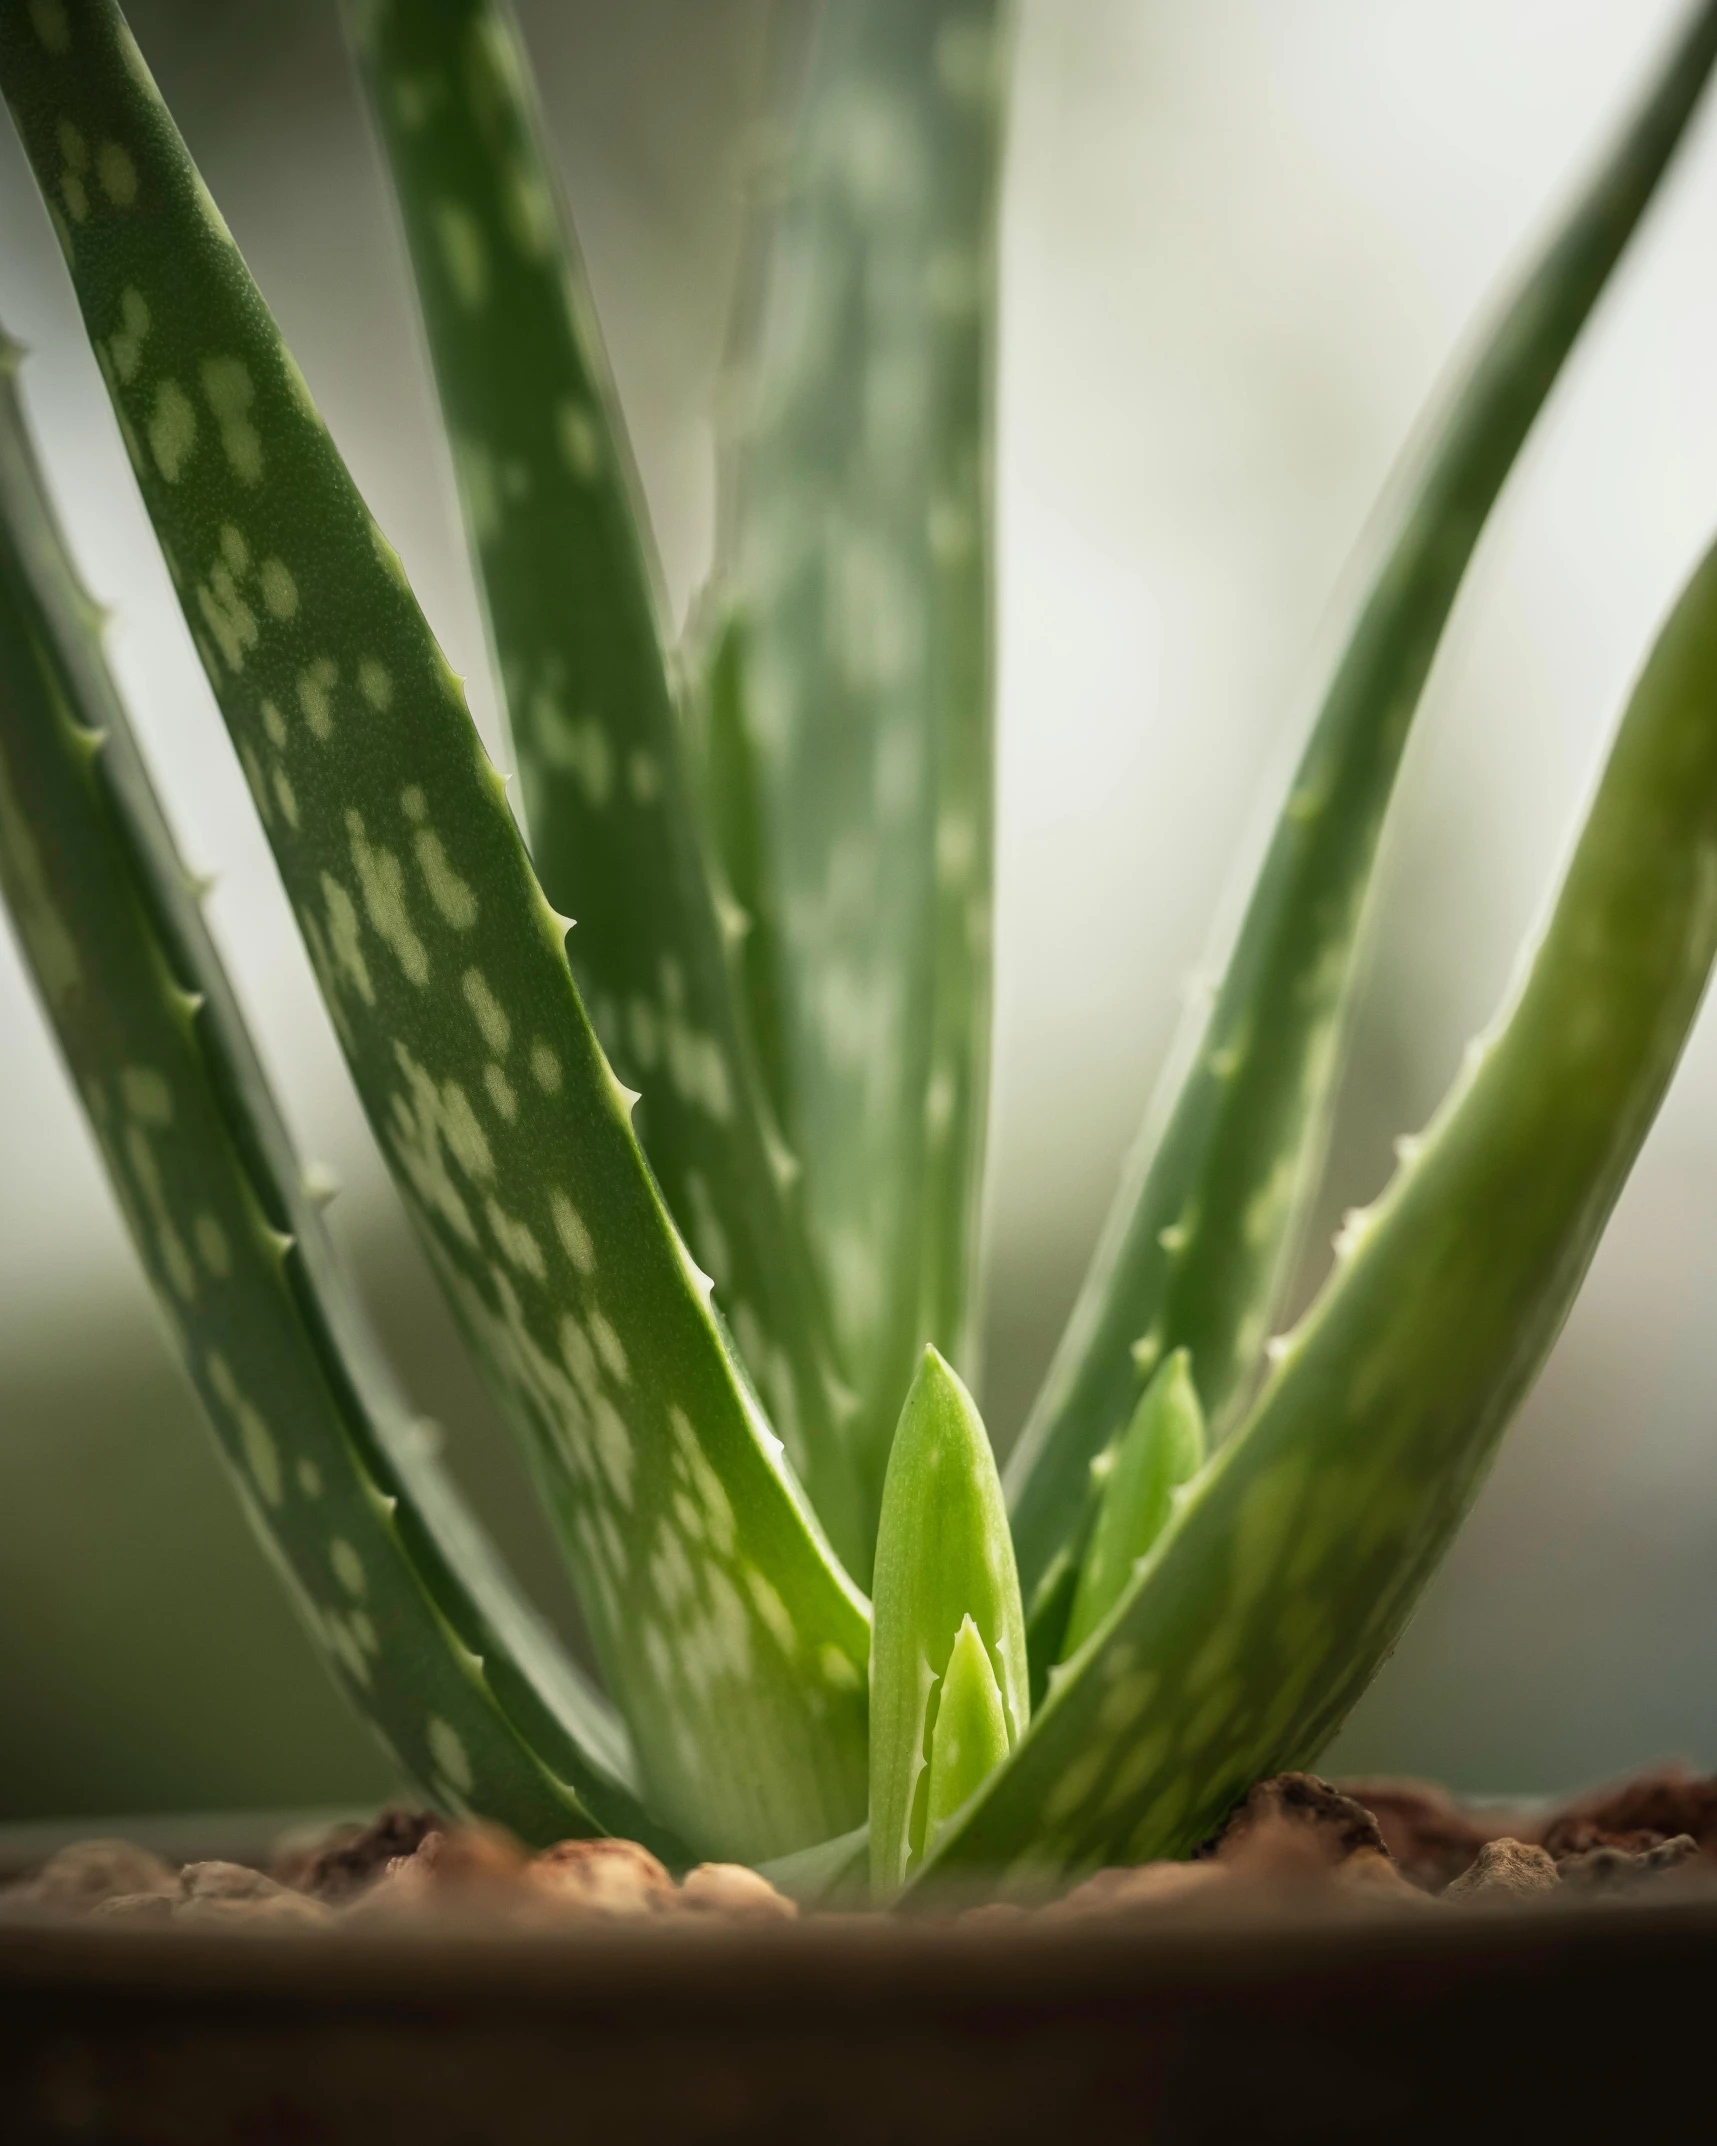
701,1180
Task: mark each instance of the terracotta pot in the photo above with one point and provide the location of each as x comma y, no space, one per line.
1562,2023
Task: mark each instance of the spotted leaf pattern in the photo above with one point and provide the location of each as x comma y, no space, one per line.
849,725
559,535
731,1638
393,1579
1288,1573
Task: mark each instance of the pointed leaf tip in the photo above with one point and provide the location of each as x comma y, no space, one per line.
1162,1447
944,1559
970,1737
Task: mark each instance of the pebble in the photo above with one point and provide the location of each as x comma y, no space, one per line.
610,1879
734,1891
1617,1870
1640,1812
458,1870
80,1877
1506,1870
233,1894
1432,1837
337,1866
1295,1825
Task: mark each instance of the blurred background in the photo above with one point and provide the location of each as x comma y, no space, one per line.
1242,240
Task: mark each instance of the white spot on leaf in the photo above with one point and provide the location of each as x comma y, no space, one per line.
463,253
375,684
316,683
574,1237
580,440
382,883
117,173
125,344
227,384
450,894
448,1752
348,1566
279,590
172,429
488,1012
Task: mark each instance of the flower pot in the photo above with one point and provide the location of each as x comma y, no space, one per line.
1570,2021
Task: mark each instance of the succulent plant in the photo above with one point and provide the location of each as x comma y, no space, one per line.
700,1177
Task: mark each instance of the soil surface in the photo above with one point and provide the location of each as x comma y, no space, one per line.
1351,1847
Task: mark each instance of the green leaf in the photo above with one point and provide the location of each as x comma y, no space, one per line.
728,1635
394,1581
1161,1449
943,1557
732,793
969,1737
856,561
1194,1248
831,1873
1286,1576
558,534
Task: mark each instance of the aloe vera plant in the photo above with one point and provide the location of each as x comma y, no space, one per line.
700,1179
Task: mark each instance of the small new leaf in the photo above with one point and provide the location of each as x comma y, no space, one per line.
944,1561
1161,1448
969,1738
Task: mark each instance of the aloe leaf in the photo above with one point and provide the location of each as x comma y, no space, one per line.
732,796
391,1573
1162,1448
731,1640
827,1874
969,1739
558,533
943,1559
1194,1247
1287,1574
855,584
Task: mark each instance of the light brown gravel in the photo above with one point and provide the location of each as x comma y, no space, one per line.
1294,1839
1505,1870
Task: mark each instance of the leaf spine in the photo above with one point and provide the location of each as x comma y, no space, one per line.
320,1184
